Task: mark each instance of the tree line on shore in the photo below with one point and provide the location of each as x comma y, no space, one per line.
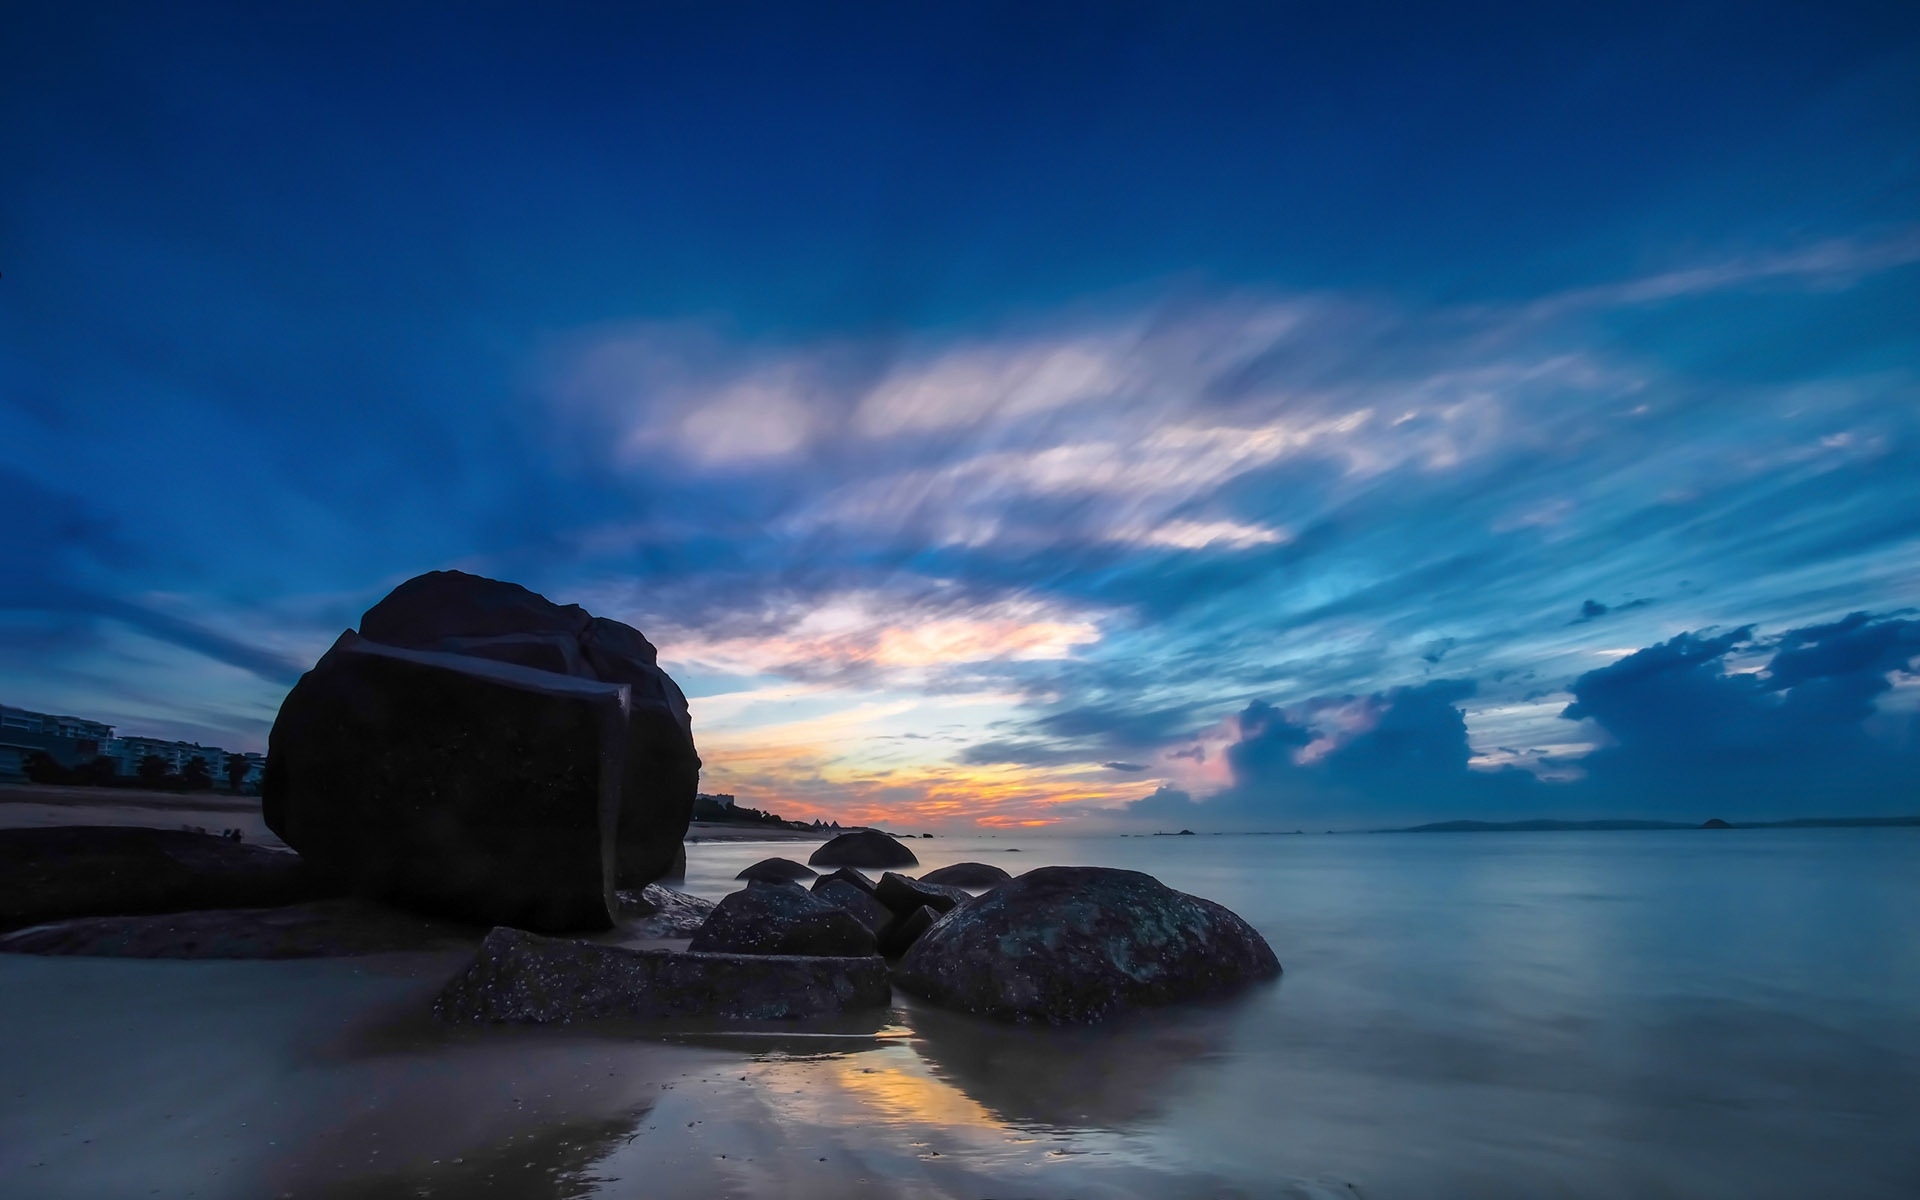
153,773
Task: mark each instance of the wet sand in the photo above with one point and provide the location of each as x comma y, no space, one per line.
35,806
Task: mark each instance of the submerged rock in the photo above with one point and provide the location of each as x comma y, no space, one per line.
523,977
864,848
1076,944
63,871
481,752
903,895
778,870
778,918
840,894
968,875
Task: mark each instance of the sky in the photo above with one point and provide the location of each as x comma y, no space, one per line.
1031,416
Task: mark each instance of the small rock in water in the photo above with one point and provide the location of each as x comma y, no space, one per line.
777,870
968,875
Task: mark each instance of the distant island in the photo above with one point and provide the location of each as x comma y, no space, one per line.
1544,826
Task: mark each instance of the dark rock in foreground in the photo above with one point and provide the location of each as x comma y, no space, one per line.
840,894
481,752
323,929
777,870
907,929
903,895
99,870
1075,944
846,875
968,875
777,918
523,977
656,911
863,848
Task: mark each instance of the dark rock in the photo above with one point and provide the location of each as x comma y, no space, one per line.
433,747
863,848
522,977
777,918
67,871
1076,944
905,930
865,909
777,870
848,875
661,912
968,875
1185,833
903,895
323,929
461,786
1715,823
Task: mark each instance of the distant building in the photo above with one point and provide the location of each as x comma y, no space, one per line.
69,741
73,741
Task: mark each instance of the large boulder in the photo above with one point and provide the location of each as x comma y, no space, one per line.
523,977
863,848
64,871
1075,944
903,895
780,918
968,875
480,751
777,870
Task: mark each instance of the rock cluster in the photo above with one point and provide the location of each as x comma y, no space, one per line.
480,752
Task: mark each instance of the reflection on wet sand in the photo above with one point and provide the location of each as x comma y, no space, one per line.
1116,1076
549,1162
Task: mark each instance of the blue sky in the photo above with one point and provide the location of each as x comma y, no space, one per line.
1002,414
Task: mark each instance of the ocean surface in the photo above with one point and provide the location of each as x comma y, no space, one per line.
1637,1014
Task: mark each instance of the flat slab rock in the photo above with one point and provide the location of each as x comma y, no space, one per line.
323,929
525,978
67,871
1069,945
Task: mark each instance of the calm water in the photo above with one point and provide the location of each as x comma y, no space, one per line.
1637,1014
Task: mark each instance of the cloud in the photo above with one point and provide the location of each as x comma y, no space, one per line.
1688,730
1788,738
1593,610
1125,766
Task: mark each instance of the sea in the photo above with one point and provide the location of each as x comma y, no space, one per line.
1686,1014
